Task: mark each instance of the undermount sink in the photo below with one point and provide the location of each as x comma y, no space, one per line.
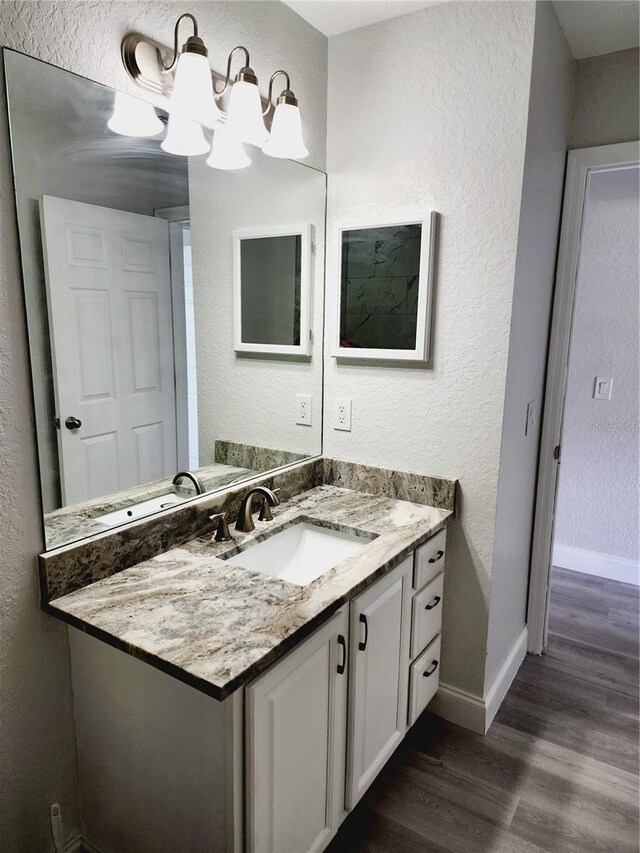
128,513
298,554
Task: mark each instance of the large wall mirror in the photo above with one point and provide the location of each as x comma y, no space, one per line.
128,266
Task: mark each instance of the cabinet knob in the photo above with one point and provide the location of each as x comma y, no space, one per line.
436,602
437,557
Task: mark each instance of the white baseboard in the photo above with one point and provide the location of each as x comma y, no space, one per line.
600,565
474,712
504,677
459,707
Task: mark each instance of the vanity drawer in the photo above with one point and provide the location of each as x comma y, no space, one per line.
423,680
429,559
426,618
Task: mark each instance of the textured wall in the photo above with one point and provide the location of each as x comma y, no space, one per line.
259,392
597,507
429,112
607,99
549,113
37,758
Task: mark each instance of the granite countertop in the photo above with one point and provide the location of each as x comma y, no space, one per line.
80,520
216,626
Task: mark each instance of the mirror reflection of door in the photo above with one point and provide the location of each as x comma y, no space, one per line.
109,300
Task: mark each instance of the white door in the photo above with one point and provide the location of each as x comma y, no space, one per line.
379,637
109,299
296,730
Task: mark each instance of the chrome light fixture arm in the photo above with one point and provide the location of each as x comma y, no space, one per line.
192,41
285,97
243,71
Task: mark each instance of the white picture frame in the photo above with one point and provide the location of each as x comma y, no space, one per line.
422,350
305,232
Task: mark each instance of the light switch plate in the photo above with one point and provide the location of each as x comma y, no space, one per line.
304,409
602,388
342,414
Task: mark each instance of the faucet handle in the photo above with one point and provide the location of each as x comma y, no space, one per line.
222,533
265,511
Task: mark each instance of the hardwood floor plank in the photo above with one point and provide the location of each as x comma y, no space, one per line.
365,831
577,732
582,828
602,670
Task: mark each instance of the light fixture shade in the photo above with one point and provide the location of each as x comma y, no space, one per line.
227,152
184,136
193,89
245,113
132,117
286,134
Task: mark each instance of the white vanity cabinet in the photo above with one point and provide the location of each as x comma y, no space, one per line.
379,650
296,716
276,766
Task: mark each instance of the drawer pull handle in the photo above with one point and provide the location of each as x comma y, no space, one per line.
437,557
432,670
363,645
436,602
341,666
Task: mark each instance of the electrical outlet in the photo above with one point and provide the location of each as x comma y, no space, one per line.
342,414
304,412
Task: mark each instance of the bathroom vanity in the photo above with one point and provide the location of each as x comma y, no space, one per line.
268,708
228,695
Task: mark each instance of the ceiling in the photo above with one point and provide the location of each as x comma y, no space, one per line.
591,27
594,27
333,17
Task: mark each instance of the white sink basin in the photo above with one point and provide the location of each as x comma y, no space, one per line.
299,554
128,513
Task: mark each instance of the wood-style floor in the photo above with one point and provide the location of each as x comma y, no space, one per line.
558,770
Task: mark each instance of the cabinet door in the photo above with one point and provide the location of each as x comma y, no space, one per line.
296,730
380,628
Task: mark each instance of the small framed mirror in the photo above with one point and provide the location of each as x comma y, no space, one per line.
384,290
272,290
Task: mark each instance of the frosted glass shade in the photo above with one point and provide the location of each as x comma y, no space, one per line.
227,152
193,90
184,136
132,117
286,134
245,114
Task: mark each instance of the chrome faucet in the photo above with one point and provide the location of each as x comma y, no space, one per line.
244,522
189,475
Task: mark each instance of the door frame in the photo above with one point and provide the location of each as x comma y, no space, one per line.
176,217
581,165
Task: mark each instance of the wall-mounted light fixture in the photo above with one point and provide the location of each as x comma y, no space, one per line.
183,83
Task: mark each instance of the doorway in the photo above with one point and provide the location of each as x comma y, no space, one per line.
184,333
587,500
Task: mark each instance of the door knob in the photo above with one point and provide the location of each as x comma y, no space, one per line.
73,423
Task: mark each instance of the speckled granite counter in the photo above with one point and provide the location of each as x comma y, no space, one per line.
216,626
80,520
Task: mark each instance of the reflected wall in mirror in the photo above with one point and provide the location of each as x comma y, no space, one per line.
384,292
127,256
272,290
